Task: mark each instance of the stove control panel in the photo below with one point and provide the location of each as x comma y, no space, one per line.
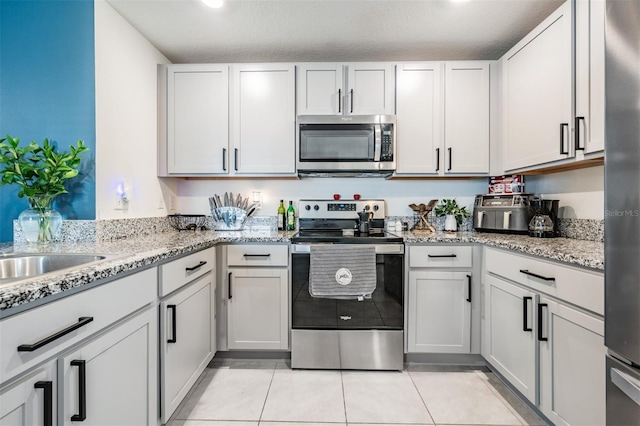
343,209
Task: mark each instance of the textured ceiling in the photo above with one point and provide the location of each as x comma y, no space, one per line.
186,31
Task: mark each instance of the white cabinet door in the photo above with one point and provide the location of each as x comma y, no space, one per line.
371,88
187,340
197,119
537,90
589,115
419,117
466,130
263,136
512,346
32,400
320,89
257,307
572,365
439,309
112,379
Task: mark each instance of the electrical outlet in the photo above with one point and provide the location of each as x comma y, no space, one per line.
172,202
119,203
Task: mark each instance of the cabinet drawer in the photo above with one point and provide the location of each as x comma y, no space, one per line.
258,255
106,304
446,256
578,286
179,272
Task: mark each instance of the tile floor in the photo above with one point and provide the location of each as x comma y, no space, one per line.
269,393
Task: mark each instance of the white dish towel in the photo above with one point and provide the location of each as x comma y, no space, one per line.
342,271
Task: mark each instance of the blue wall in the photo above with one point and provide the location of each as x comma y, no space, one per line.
47,90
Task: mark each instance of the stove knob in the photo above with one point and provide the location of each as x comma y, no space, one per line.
307,207
316,207
367,208
375,208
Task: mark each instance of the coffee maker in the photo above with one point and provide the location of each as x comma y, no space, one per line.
544,223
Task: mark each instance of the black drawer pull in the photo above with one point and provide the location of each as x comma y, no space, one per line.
541,338
469,288
82,390
224,159
34,346
174,321
525,313
526,272
577,126
47,413
562,132
199,265
257,255
229,286
450,159
437,159
442,255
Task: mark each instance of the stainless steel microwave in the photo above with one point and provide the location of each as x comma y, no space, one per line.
353,145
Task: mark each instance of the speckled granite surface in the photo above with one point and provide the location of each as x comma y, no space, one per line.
131,253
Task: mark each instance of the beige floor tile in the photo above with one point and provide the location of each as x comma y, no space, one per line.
269,423
305,396
210,423
228,394
462,398
382,397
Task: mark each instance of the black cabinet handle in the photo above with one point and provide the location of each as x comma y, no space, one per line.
450,158
437,159
199,265
525,313
34,346
257,255
562,127
224,159
469,288
47,414
577,124
526,272
229,286
339,100
82,390
442,255
351,99
541,338
235,159
174,323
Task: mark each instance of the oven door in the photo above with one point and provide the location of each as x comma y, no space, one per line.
383,311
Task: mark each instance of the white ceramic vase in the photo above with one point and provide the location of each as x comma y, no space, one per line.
450,223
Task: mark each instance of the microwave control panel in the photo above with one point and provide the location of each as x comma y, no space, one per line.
386,153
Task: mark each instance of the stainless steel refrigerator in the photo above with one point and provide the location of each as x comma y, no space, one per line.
622,211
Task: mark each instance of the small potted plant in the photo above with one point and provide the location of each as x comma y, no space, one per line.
40,171
452,212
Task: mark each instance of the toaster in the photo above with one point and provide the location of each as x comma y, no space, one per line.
506,213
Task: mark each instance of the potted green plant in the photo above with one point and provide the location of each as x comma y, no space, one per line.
452,212
40,171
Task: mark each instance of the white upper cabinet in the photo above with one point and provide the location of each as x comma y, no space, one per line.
589,107
346,89
466,117
537,90
263,119
419,117
443,115
320,89
197,119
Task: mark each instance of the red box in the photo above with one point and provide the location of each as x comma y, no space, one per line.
508,184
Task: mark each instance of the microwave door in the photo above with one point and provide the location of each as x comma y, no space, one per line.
335,144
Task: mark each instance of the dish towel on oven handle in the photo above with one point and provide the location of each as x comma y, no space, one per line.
342,271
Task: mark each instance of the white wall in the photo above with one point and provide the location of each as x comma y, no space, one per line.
581,192
126,118
397,193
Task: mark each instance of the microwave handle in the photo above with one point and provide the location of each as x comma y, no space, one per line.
377,141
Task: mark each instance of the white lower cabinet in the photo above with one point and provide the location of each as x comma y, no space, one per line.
31,401
187,340
439,312
112,380
258,314
572,365
512,345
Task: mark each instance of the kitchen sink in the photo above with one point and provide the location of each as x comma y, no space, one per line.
17,266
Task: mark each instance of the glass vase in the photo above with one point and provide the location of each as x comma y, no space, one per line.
40,223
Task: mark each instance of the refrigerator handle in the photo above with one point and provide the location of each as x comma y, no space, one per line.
627,384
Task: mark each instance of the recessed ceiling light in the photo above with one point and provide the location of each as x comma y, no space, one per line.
213,3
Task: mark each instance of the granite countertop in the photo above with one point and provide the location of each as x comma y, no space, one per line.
132,253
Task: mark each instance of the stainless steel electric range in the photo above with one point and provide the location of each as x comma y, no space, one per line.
337,329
